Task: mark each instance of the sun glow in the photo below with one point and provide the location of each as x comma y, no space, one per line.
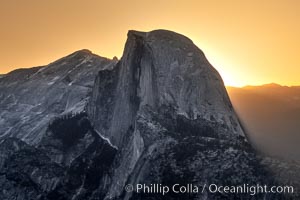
249,43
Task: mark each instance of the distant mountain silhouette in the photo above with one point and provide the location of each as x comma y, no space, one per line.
271,113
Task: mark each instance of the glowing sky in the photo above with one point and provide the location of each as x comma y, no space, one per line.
248,42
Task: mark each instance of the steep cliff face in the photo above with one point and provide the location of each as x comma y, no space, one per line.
163,87
160,115
158,69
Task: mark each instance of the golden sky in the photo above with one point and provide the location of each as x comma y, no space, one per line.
248,42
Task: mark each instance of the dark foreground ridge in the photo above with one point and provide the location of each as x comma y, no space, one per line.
85,127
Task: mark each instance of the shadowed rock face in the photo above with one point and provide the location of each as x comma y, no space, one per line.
160,115
158,69
57,169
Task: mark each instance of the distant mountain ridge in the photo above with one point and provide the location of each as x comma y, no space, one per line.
30,98
271,113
